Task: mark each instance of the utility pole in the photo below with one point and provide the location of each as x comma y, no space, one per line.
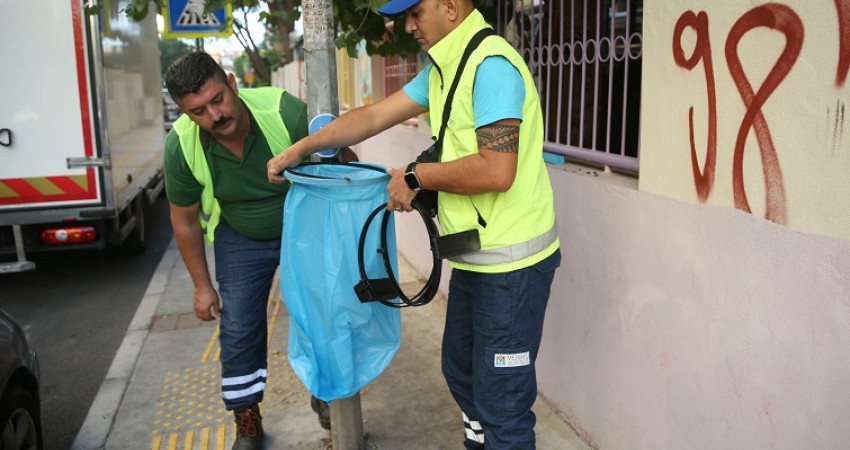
320,60
322,106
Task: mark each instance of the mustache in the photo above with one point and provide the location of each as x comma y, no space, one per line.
221,122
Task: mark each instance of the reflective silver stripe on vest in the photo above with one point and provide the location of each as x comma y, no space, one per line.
510,253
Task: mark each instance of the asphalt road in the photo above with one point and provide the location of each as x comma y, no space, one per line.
75,308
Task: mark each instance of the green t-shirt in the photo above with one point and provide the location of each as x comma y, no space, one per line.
249,202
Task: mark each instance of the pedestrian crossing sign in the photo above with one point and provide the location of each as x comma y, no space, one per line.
186,19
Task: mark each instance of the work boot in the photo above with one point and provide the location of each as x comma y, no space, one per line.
323,410
249,429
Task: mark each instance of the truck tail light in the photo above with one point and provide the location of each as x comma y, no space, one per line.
71,235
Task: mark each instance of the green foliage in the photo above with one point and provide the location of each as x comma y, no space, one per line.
239,65
354,20
360,20
270,50
170,50
138,9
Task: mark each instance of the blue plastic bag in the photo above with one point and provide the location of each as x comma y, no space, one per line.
337,345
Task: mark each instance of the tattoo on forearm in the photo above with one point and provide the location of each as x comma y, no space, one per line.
499,138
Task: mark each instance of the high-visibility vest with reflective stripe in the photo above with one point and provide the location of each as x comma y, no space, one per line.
520,223
264,104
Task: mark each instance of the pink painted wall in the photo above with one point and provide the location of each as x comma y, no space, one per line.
675,325
680,326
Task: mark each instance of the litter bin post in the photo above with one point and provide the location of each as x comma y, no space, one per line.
322,97
347,424
320,57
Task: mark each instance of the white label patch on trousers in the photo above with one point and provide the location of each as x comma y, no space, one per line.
512,359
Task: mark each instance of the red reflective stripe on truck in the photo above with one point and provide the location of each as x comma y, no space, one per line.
17,191
69,185
82,81
22,188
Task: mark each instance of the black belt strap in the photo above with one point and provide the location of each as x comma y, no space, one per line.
447,107
428,197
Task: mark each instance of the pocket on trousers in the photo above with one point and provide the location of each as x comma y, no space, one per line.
508,380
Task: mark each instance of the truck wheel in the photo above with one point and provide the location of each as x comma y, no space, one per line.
19,419
136,242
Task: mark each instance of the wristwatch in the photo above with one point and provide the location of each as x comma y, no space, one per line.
410,177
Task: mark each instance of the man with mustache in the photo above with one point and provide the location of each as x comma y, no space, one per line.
215,161
492,181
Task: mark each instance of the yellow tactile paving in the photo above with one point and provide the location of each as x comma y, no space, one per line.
190,407
213,351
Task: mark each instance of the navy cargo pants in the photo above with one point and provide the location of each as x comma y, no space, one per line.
494,323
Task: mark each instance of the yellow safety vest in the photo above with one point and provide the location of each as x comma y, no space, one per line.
520,224
264,104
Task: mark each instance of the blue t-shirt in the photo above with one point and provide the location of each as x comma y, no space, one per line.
494,74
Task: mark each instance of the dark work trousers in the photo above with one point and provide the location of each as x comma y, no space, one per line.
494,323
244,270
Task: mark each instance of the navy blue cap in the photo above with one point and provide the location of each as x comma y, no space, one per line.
397,7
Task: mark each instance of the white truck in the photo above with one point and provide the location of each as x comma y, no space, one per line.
81,128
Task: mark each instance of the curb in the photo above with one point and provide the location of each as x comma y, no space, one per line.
101,415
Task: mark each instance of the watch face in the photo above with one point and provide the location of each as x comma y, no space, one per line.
412,181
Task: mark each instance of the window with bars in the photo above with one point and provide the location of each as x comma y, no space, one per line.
585,56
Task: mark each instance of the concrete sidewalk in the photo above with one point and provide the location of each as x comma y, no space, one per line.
162,390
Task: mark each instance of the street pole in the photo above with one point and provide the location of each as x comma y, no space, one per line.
320,60
323,99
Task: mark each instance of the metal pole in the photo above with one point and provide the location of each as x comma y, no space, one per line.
323,98
320,58
347,424
22,264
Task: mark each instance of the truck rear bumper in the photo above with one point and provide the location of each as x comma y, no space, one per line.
32,241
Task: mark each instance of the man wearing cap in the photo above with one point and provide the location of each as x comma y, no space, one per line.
491,178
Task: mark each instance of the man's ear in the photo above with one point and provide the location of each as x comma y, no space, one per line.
231,81
451,9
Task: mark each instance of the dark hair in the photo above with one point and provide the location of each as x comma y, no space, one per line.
190,72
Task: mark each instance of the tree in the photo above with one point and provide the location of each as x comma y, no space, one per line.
354,21
170,50
243,35
269,57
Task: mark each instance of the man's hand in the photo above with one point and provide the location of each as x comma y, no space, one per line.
206,304
282,161
400,193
